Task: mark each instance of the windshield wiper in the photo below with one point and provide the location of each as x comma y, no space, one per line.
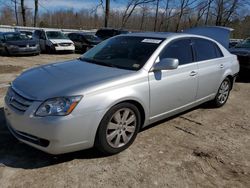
98,62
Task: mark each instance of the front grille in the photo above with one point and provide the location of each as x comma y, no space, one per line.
26,45
65,44
17,101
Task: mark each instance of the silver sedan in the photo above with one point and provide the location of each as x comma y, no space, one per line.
123,84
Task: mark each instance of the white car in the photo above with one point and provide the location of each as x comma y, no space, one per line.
53,41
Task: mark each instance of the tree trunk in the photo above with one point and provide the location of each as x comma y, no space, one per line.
156,14
208,11
23,11
17,22
36,11
107,7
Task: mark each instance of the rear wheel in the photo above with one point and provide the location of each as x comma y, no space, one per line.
223,93
118,128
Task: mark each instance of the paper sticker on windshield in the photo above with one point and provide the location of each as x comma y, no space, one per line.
136,65
155,41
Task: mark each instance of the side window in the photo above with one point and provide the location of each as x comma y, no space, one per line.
218,51
36,34
72,36
180,49
79,38
205,50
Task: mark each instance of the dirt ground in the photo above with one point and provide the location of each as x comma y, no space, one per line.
203,147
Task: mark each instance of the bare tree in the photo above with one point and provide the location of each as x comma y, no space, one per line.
131,6
184,5
209,2
156,14
107,7
23,11
16,13
36,12
143,15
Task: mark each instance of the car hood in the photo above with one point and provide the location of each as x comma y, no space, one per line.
240,51
22,42
63,79
57,41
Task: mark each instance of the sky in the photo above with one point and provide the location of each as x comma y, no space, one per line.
53,5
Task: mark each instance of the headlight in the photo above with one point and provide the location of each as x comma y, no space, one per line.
60,106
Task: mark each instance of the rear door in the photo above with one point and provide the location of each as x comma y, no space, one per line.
211,65
172,89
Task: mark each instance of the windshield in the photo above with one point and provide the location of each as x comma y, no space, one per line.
126,52
15,37
55,35
244,44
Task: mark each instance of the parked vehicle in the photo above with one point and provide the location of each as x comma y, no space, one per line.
14,43
242,50
84,41
53,41
105,33
118,87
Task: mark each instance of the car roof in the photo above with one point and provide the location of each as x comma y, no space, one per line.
48,29
163,35
10,33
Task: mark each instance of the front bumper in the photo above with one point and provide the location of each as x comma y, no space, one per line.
65,48
53,134
24,51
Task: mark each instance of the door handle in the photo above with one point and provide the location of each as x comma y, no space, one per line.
193,73
221,66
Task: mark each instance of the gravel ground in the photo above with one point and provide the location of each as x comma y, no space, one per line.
203,147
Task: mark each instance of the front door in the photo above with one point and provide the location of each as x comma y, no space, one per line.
170,90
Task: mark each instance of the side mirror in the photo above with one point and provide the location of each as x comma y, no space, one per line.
166,64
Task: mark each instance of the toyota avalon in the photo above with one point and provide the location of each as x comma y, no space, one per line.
123,84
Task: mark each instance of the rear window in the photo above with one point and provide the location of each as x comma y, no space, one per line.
205,50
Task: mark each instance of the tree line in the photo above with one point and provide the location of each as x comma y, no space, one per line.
136,15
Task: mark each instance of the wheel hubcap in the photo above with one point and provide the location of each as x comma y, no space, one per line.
121,127
223,92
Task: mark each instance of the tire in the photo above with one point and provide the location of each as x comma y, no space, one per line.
116,134
49,50
223,93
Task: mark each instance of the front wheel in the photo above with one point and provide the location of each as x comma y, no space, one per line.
223,93
118,128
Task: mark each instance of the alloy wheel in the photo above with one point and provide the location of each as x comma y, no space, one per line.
121,127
